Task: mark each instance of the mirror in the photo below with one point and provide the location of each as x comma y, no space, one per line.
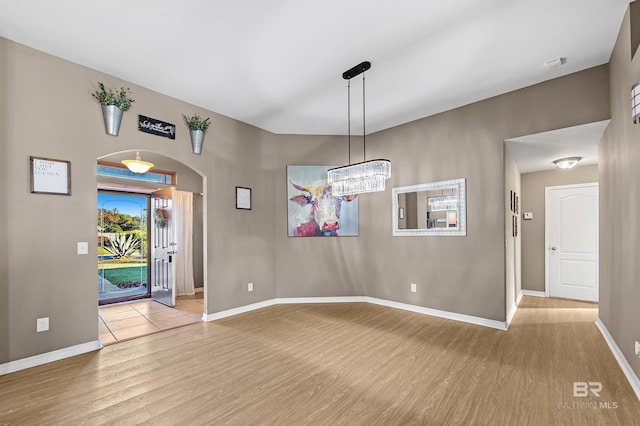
437,208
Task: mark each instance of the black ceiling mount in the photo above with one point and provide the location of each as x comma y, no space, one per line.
358,69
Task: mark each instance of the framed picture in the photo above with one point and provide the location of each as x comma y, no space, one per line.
49,176
243,198
312,210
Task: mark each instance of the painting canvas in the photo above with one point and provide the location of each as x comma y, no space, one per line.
312,210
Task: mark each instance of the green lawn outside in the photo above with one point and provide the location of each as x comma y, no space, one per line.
125,275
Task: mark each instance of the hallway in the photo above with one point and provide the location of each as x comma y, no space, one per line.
134,319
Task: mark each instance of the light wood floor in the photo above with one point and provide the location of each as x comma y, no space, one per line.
124,321
332,364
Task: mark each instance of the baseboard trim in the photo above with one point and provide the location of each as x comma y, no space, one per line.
500,325
534,293
513,311
238,310
33,361
619,356
519,299
342,299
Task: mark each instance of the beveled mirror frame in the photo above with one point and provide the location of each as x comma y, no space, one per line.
459,231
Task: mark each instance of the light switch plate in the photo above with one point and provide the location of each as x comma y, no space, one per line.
42,324
83,247
527,216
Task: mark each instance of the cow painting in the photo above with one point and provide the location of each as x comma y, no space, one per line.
315,212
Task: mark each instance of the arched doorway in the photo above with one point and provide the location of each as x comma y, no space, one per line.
140,315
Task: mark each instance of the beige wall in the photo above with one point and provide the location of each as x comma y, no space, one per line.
4,216
533,231
619,178
464,274
402,204
413,221
53,115
316,266
458,274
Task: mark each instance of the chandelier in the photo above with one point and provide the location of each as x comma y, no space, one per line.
137,165
366,176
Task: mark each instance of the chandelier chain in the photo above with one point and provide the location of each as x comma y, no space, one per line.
349,116
364,129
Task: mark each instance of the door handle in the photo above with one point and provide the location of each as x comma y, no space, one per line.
553,248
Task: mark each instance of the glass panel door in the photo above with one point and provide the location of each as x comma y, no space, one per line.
122,247
163,247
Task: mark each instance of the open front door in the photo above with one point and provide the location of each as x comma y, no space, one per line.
163,247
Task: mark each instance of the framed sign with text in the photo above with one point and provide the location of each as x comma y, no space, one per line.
156,127
49,176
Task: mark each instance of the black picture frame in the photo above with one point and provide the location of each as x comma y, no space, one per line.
243,198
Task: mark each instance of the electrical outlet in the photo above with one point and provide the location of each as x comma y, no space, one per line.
414,288
42,324
637,348
250,287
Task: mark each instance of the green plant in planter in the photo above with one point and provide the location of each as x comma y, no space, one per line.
118,97
197,123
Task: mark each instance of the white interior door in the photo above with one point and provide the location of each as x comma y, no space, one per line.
163,247
572,242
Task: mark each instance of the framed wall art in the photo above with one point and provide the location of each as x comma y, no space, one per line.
312,211
243,198
49,176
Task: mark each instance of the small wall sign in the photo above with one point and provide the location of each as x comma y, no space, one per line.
49,176
156,127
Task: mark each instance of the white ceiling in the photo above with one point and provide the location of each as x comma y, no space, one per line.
534,153
278,64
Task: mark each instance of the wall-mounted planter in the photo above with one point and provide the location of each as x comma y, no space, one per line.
197,138
114,103
197,127
112,116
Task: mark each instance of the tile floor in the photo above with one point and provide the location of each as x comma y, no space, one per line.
134,319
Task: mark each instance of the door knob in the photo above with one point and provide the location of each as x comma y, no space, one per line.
553,248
